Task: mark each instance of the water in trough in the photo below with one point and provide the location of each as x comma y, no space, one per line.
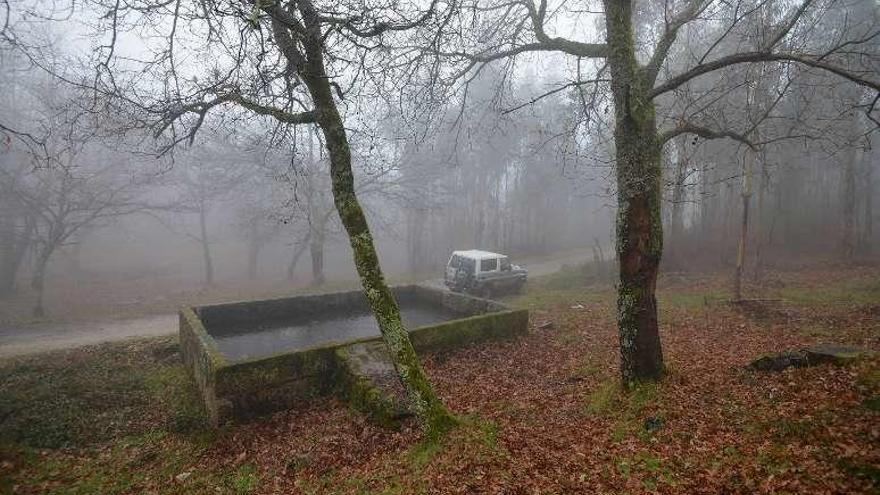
256,341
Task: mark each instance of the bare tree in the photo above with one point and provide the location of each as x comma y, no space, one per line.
639,78
292,61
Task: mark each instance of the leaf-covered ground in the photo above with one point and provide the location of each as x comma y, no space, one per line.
542,414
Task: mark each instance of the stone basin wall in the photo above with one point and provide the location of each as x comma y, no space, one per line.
237,390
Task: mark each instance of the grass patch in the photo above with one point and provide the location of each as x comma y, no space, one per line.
242,480
644,466
860,292
589,369
691,300
601,400
570,285
94,394
628,409
863,471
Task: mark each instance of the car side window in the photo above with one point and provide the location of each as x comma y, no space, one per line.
505,264
455,261
468,265
489,265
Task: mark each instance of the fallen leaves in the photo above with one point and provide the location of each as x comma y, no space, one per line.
544,415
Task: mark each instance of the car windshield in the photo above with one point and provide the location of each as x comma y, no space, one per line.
454,261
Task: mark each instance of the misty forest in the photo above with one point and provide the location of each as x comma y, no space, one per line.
439,246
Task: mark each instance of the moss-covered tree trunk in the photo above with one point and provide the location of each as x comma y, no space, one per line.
639,225
424,402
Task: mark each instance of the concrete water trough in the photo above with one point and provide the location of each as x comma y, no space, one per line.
254,357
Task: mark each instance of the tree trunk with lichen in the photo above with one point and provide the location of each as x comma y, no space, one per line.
639,225
433,415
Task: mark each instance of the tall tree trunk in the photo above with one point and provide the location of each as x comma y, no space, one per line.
867,237
316,250
15,240
38,281
433,415
761,217
9,261
416,219
254,245
848,198
206,246
639,193
748,166
297,254
676,223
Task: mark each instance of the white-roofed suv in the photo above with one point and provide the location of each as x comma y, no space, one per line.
483,273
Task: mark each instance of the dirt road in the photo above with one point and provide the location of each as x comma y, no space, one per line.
31,338
26,339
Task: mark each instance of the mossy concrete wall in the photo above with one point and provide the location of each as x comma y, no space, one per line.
238,390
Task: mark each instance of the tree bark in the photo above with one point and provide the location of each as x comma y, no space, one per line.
254,246
676,223
297,254
848,197
38,281
639,192
433,415
868,226
748,165
15,239
206,248
316,251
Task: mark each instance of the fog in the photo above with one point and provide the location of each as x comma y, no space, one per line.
123,179
445,246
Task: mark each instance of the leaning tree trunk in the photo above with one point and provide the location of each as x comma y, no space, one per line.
434,416
639,193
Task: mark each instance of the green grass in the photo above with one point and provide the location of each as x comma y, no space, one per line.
627,409
129,408
560,288
85,396
690,300
859,292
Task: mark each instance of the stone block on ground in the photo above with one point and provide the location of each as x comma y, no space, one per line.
779,361
811,356
370,383
834,354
